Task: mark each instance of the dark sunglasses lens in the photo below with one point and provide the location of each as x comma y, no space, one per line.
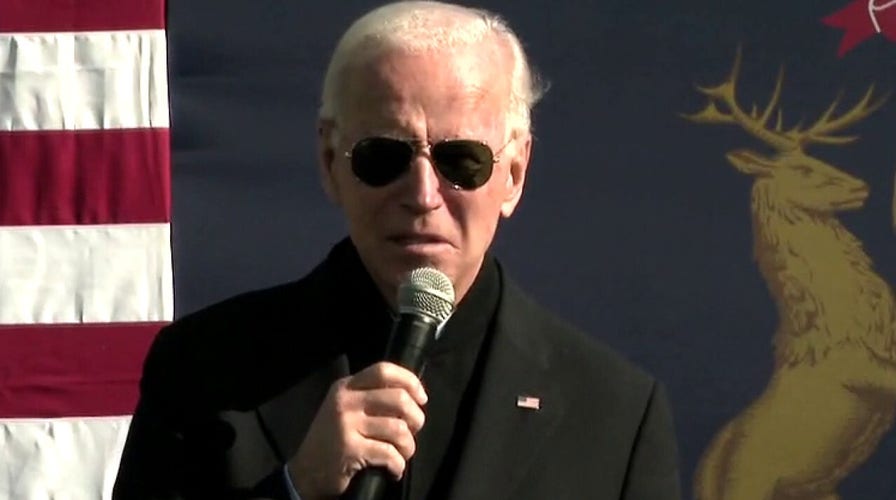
465,163
377,161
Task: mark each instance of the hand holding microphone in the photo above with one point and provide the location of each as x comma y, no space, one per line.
363,434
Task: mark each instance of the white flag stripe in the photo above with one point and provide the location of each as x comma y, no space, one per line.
83,80
65,458
85,274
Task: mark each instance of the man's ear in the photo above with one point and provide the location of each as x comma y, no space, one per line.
326,158
516,173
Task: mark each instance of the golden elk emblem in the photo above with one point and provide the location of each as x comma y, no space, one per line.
832,393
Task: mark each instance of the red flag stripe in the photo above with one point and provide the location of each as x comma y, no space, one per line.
85,370
80,15
85,177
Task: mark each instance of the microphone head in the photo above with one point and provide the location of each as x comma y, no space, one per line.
427,291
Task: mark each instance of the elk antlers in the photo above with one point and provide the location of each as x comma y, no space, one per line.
823,131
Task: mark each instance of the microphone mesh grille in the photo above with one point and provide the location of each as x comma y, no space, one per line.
427,291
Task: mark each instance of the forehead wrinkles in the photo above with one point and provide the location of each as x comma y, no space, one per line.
441,91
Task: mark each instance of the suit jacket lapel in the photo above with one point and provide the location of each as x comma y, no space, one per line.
504,437
286,418
337,283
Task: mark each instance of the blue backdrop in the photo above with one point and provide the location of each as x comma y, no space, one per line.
633,226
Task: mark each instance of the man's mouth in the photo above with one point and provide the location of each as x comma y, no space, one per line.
417,239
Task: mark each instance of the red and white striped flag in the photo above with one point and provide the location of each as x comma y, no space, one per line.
85,251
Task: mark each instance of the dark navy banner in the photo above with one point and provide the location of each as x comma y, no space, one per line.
711,192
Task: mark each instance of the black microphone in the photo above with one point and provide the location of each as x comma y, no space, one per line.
425,302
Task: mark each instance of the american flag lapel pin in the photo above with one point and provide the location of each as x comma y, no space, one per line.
528,402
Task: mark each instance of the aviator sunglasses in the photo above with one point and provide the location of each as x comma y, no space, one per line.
465,163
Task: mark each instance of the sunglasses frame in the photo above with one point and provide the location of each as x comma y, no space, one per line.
425,147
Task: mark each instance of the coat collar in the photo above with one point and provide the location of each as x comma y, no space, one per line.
505,435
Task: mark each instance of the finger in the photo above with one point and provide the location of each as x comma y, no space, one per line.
390,430
394,403
383,454
385,374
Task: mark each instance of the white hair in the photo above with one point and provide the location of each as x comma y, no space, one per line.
430,25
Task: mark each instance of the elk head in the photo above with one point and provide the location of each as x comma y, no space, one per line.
790,172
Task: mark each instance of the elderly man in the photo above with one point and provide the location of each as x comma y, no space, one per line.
282,393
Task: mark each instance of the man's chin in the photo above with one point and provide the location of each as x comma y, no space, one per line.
391,268
404,258
400,269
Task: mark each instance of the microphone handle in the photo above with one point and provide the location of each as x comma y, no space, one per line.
367,484
408,346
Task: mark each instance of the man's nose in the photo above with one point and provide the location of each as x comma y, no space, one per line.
422,190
